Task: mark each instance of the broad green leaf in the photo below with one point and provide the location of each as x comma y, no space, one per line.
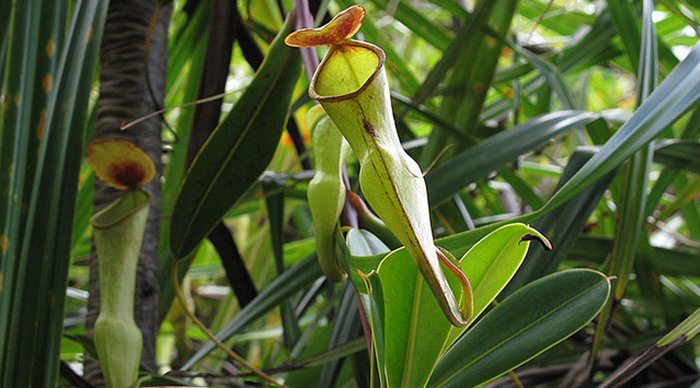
414,331
492,262
532,320
238,151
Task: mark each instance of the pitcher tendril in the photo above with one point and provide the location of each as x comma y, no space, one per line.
352,87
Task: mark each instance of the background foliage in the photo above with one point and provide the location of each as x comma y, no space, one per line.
512,98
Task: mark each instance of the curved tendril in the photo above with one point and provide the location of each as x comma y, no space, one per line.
452,265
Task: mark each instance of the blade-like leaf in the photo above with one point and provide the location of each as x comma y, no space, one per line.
279,290
561,227
681,334
527,323
494,152
238,151
680,154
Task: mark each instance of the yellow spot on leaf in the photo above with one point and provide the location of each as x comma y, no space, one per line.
42,124
490,41
50,48
120,164
88,39
48,82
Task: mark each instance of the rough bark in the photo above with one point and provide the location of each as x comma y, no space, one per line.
133,58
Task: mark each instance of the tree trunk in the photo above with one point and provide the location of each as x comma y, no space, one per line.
132,84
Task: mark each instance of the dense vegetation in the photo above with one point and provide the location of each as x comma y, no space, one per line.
556,147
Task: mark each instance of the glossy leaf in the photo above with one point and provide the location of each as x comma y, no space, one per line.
238,151
415,334
517,329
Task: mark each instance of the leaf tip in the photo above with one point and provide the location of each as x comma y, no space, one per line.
539,238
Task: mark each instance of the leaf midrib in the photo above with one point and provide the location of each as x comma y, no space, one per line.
496,346
231,153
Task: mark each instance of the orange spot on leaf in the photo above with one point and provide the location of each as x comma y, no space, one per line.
4,243
50,48
47,83
42,124
341,28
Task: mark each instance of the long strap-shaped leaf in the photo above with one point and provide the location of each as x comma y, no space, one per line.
679,92
238,151
518,329
494,152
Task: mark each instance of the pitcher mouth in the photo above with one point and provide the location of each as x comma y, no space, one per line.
336,78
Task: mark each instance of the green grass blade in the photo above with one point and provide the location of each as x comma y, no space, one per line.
418,23
472,76
674,97
16,116
493,153
679,154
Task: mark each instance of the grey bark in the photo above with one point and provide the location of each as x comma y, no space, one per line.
127,92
